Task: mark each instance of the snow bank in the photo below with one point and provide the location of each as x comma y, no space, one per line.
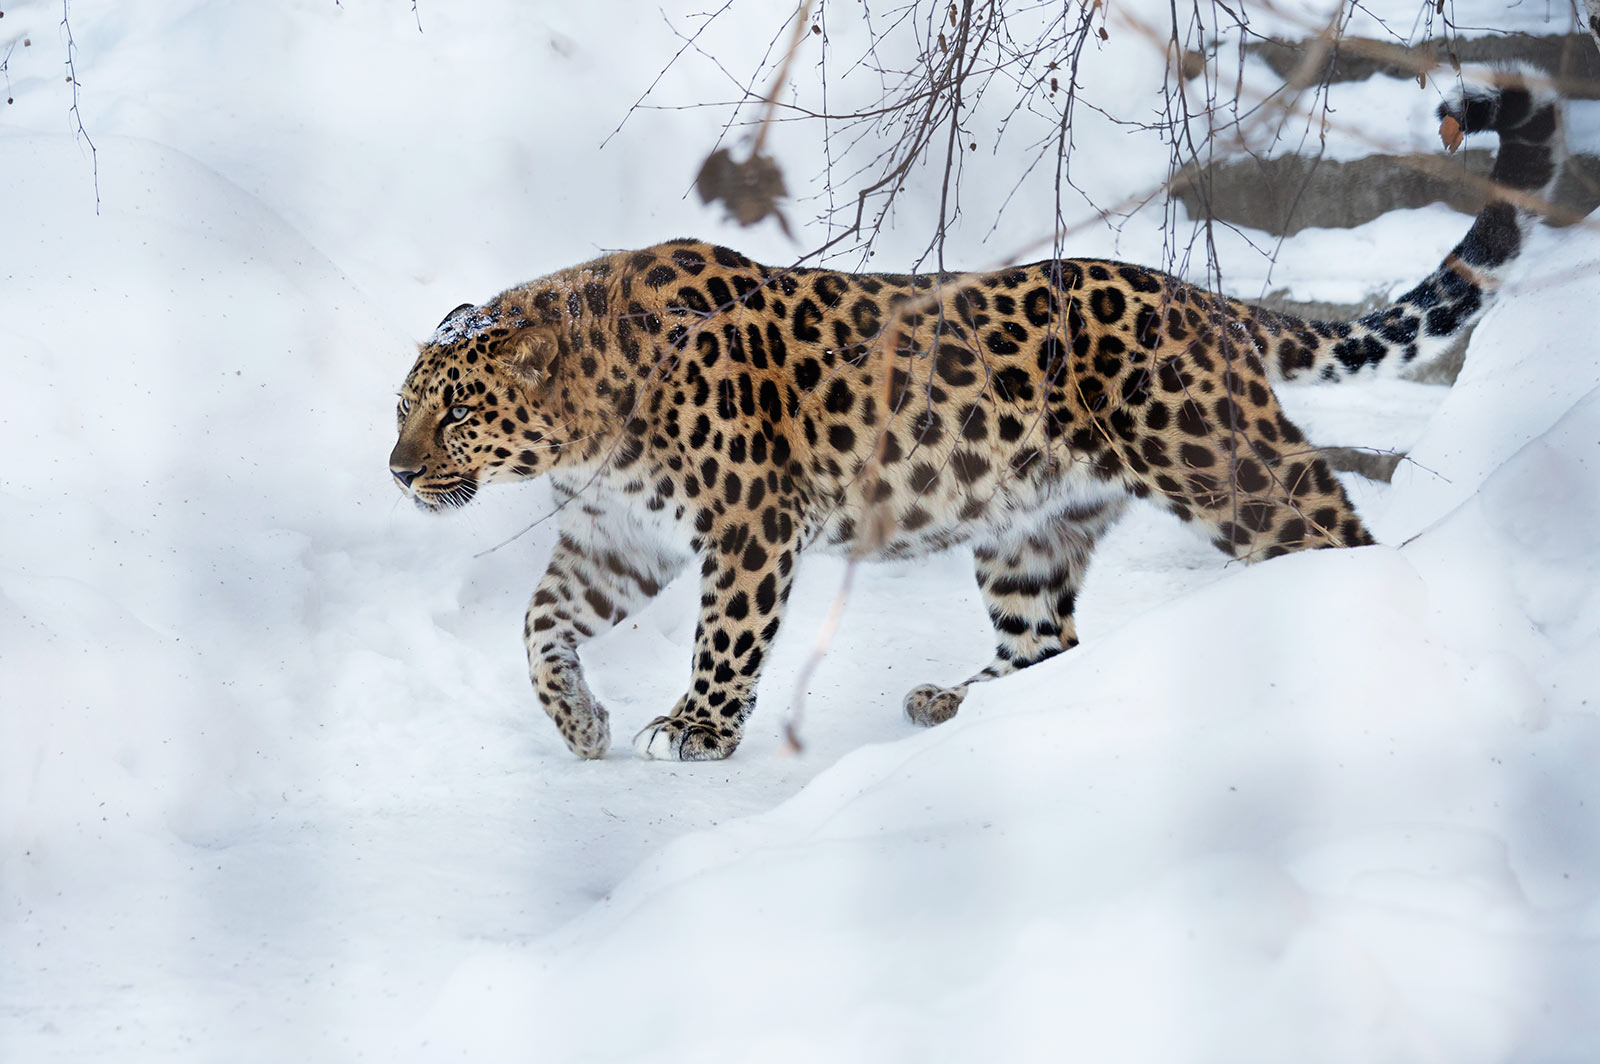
1147,852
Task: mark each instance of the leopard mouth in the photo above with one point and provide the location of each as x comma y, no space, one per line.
447,495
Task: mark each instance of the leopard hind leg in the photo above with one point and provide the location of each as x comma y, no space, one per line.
1030,586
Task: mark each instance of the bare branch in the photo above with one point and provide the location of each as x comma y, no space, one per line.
77,116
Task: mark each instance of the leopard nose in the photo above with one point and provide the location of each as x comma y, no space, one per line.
405,475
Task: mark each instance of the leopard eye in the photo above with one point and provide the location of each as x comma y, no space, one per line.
459,413
405,407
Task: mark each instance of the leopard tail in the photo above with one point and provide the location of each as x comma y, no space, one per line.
1427,321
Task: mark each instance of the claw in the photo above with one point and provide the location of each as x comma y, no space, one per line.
671,739
657,741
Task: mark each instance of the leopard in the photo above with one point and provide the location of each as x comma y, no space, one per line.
691,407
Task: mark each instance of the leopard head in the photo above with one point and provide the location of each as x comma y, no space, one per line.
487,400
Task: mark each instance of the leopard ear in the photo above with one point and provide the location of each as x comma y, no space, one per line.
465,321
528,354
454,314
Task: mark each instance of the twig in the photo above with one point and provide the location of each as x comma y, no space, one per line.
819,650
77,117
802,18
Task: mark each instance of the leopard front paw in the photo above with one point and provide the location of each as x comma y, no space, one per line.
677,739
930,704
584,724
594,738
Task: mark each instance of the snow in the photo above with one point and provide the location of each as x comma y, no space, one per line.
272,785
460,324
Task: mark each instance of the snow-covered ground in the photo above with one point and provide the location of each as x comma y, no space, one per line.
272,786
